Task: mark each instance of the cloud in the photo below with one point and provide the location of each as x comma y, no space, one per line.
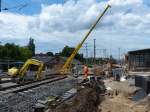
125,25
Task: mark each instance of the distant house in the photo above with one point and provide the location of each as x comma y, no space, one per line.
59,61
45,59
55,62
138,60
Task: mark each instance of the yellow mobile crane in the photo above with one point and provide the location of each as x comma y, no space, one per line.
14,72
66,68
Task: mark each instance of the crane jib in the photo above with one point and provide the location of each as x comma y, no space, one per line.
66,66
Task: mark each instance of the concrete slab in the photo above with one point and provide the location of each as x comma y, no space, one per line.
6,79
139,73
3,85
69,94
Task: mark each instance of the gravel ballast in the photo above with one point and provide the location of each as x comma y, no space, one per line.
25,101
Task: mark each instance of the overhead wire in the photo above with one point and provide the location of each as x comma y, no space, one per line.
22,5
18,6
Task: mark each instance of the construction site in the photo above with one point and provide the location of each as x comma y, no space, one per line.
70,80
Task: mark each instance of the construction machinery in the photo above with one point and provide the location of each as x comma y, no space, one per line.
66,68
14,72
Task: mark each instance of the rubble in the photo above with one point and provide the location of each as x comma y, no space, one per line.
86,100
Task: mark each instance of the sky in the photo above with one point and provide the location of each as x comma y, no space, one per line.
56,23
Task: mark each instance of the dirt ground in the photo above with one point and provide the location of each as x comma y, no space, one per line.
122,87
121,104
121,101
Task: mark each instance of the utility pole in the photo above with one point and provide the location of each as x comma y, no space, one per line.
119,54
94,50
86,48
100,56
104,53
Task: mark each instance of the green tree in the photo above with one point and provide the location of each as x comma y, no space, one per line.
67,51
31,46
25,53
113,60
10,51
50,53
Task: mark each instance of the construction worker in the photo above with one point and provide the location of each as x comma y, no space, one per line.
85,71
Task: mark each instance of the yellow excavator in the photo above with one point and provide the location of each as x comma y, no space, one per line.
66,67
14,72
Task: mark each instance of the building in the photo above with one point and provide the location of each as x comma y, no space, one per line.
55,62
45,59
138,63
138,60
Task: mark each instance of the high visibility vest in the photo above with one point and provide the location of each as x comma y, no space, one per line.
86,70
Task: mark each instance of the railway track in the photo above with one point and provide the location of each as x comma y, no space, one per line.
29,85
23,83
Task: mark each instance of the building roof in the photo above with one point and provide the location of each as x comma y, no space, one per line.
17,62
54,59
44,59
75,61
140,51
62,60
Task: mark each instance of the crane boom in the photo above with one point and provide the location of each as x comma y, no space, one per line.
65,69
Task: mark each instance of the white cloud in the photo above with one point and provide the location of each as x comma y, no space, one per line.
125,25
124,2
